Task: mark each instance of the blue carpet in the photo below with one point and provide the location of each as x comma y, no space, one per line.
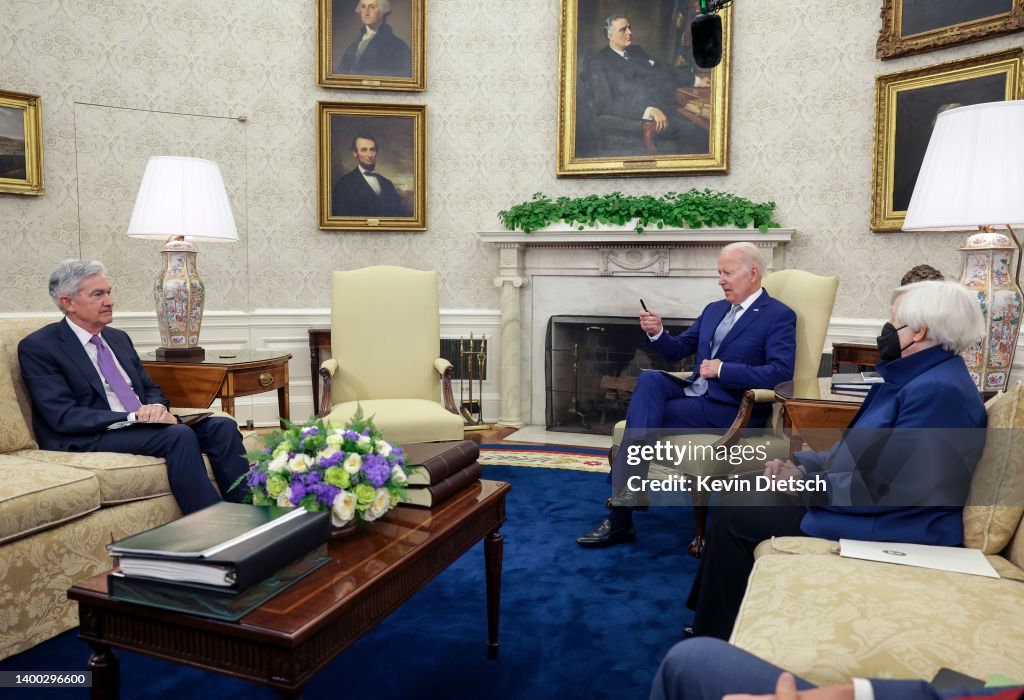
574,622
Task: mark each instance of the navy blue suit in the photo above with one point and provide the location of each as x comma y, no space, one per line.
707,669
758,352
901,473
70,412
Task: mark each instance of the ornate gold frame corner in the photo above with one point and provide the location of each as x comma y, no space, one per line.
892,44
714,161
1010,63
326,77
327,219
31,105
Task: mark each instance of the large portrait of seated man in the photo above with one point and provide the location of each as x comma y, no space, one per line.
633,100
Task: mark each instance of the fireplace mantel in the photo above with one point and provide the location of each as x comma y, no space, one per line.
603,271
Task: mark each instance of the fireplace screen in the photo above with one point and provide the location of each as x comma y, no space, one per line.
591,368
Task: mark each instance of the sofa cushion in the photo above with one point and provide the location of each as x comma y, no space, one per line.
996,501
35,496
12,330
122,477
815,545
1015,550
14,431
828,619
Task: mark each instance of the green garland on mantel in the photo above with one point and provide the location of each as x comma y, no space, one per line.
692,209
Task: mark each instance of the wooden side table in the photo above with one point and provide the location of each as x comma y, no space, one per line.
227,374
864,356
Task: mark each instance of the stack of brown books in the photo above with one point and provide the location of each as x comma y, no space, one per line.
438,470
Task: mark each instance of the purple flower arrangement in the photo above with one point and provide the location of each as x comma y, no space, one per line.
349,470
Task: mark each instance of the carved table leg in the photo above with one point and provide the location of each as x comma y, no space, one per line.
494,545
106,672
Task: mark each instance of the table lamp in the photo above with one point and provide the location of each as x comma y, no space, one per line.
973,177
181,199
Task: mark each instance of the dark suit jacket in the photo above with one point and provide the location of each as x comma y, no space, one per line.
903,469
353,197
758,352
69,405
626,88
386,54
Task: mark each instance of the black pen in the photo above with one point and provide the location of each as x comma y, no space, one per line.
644,305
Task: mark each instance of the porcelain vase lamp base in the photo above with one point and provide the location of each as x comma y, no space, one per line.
987,262
179,295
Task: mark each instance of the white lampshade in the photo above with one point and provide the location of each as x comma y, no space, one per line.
973,170
182,197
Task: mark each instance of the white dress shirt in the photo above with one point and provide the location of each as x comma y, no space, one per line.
371,180
84,337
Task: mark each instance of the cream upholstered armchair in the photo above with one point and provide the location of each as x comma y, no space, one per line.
385,339
811,297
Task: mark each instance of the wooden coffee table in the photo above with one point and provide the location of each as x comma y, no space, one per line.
287,640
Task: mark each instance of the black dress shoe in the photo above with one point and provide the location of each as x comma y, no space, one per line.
606,536
628,500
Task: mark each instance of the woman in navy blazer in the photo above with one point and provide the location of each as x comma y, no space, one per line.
901,473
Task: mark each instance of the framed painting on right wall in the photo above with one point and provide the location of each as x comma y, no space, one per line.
906,105
915,26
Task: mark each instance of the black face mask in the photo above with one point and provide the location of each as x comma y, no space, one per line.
889,343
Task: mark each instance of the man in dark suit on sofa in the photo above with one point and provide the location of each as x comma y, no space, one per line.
82,376
745,341
364,191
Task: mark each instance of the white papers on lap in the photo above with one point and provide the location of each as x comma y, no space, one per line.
959,559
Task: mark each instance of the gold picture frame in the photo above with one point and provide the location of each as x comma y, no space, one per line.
927,25
600,134
906,105
392,60
21,143
397,136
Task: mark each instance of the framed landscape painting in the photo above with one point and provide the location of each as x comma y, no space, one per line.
906,106
370,44
915,26
631,100
371,166
21,143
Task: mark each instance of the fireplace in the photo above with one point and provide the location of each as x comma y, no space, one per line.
597,273
591,368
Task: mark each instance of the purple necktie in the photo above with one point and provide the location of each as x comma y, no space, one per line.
114,378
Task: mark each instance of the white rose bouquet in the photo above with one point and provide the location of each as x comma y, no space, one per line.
348,471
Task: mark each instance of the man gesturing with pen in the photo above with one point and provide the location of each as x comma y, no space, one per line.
744,341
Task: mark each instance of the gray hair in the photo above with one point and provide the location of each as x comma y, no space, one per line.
384,5
610,21
951,313
67,279
749,253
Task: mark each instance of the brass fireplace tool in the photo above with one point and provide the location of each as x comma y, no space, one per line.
473,363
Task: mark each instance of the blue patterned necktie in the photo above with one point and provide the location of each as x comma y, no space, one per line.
114,378
724,327
700,384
